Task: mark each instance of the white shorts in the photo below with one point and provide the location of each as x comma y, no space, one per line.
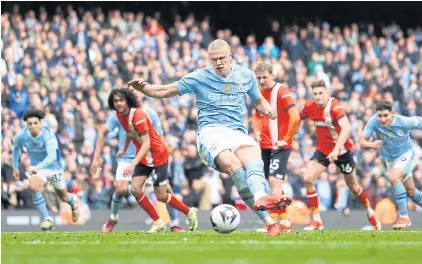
212,141
406,163
121,165
56,177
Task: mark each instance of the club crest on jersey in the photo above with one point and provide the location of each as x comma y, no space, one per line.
400,133
242,88
228,88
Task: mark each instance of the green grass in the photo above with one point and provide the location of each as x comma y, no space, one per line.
240,247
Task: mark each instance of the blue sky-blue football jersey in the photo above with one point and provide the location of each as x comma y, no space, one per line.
221,101
396,137
43,150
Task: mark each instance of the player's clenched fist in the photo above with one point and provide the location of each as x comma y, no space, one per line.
272,114
138,84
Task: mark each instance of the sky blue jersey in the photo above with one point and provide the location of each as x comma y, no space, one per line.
114,123
396,137
43,150
221,101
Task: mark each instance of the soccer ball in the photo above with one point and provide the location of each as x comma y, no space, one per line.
225,218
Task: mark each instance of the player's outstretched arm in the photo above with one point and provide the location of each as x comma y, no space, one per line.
154,90
98,149
264,107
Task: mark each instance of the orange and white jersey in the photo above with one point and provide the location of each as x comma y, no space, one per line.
326,122
137,124
272,131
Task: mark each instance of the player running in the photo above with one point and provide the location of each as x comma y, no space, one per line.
122,182
276,136
223,143
46,164
394,141
151,157
334,145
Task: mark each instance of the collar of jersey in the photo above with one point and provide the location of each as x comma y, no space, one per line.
221,77
38,136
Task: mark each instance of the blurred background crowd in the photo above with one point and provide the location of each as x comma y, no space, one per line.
68,61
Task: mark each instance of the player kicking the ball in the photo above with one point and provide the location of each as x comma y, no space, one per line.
276,136
151,157
223,143
46,164
122,182
334,145
394,141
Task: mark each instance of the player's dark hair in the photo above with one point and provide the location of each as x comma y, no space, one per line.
33,113
384,105
126,94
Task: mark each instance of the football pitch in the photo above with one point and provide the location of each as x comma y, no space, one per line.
240,247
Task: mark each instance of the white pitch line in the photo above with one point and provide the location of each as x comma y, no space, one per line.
332,244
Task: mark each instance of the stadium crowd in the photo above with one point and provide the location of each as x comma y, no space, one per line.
67,63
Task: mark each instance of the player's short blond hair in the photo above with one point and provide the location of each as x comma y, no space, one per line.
218,44
263,67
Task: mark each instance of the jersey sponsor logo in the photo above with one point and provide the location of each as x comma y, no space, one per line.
323,124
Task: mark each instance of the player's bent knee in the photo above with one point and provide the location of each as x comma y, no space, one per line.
227,162
162,197
410,192
136,191
121,189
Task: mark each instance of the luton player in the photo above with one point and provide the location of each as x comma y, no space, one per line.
334,145
275,137
151,157
123,181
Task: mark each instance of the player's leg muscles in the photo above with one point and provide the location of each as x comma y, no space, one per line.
250,158
399,190
231,165
313,170
36,184
143,201
278,170
167,198
357,190
172,211
412,192
117,198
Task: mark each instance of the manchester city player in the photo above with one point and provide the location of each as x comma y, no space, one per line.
46,164
394,141
223,143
